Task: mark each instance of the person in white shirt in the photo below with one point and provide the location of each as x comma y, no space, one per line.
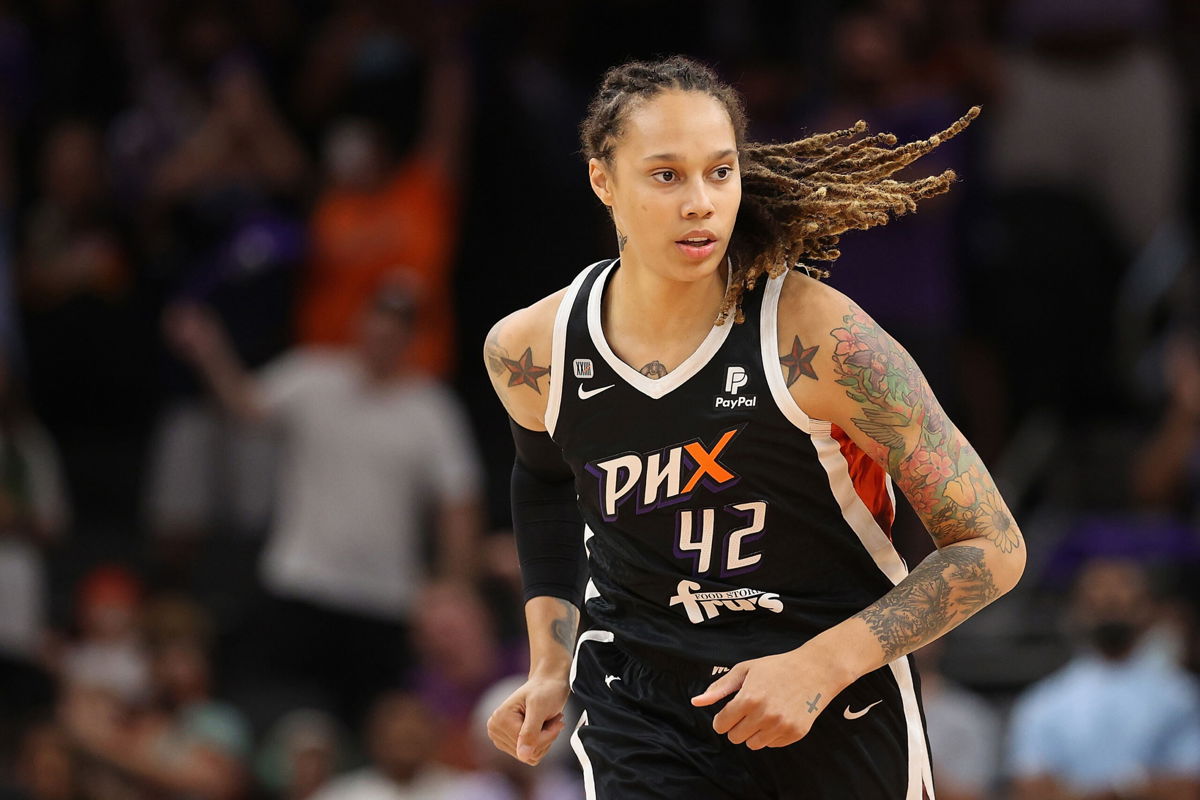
371,451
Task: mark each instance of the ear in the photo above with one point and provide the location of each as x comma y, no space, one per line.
601,180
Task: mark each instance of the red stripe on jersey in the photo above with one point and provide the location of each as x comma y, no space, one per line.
869,479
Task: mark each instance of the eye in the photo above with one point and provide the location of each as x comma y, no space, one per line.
721,173
665,176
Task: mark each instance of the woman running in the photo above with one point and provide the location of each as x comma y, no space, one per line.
729,429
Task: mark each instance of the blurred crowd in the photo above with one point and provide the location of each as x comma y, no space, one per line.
253,483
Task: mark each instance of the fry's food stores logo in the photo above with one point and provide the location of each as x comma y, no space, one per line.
701,606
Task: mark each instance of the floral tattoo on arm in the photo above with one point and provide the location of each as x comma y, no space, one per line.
941,475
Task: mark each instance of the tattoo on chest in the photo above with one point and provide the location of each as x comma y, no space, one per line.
523,372
654,369
799,361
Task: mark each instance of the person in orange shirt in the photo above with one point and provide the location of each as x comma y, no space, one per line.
379,215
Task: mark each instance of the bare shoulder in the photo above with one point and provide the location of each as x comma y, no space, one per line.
808,311
806,301
814,325
517,356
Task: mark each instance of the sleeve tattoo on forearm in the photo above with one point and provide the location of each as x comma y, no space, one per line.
944,589
941,475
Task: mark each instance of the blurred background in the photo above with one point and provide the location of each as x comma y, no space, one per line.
254,482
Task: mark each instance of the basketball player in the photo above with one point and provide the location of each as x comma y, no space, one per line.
730,430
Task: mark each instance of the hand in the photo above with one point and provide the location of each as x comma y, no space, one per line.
192,331
526,724
776,699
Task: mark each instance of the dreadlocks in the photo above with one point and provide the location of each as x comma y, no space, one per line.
798,198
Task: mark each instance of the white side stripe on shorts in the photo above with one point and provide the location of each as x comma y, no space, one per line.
589,778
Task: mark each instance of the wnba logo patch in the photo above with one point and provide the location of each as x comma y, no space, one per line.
583,367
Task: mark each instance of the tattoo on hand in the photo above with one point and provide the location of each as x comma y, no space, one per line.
523,372
941,475
812,704
564,628
944,589
654,369
799,361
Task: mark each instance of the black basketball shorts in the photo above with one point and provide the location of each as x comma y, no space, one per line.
639,737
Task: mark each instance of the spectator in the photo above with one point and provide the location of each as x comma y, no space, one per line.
109,655
380,210
33,515
1097,76
187,745
301,753
1118,720
502,777
400,741
964,732
231,188
370,448
1164,472
45,767
77,282
459,655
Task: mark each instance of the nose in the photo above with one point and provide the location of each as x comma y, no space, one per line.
698,204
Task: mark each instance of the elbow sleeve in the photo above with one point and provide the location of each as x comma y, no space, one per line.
546,520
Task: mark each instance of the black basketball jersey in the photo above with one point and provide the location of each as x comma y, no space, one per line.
723,523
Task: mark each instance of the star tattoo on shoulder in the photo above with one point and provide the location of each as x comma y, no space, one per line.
799,361
523,371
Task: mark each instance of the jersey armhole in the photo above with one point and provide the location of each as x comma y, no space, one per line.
558,349
769,339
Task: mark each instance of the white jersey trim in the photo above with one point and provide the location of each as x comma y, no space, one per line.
558,349
769,340
920,770
651,387
855,511
883,553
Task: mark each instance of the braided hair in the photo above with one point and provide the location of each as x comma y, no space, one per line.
799,197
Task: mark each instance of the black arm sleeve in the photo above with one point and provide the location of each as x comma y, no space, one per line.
546,519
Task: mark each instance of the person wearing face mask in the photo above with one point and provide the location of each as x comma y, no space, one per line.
1118,720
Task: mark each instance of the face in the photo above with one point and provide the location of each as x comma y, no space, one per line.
673,185
400,733
383,339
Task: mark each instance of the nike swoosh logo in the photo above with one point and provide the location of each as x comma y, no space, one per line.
608,679
585,394
848,714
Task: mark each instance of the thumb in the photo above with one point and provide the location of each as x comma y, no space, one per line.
529,738
726,685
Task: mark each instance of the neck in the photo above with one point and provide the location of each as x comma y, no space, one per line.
643,302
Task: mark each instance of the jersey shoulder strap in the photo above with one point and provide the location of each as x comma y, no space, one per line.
558,349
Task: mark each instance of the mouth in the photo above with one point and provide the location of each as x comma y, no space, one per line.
697,245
